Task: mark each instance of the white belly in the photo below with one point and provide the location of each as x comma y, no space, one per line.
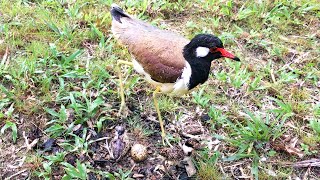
178,88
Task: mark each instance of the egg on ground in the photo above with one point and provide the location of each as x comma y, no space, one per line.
139,152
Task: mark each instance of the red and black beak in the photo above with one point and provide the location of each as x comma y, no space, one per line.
225,53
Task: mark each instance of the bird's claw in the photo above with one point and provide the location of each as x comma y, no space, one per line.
165,140
123,111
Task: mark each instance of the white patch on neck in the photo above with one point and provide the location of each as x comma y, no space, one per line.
202,51
181,85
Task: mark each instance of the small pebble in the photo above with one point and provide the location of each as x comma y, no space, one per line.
138,176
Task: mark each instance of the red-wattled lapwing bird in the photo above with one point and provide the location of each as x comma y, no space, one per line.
172,63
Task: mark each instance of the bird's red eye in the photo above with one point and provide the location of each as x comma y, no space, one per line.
213,50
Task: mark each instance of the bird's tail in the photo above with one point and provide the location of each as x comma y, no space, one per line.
117,13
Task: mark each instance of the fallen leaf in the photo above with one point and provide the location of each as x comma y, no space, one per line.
70,115
288,145
76,128
271,172
190,168
294,151
172,153
293,142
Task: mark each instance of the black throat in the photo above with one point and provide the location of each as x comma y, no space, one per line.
200,67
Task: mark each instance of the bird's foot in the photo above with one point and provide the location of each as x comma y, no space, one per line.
165,140
124,110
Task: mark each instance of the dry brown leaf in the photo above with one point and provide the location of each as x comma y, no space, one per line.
190,168
294,151
76,128
70,115
288,145
293,142
270,172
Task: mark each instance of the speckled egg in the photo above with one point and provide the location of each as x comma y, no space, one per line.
139,152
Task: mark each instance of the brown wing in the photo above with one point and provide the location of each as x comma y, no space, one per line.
158,51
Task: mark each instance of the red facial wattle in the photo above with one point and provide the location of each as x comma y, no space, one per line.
225,53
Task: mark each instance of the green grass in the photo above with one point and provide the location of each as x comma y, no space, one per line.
57,61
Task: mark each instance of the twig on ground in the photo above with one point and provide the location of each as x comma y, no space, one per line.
307,163
16,174
272,76
305,177
28,145
5,59
108,149
100,139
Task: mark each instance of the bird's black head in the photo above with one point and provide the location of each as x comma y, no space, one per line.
199,53
207,47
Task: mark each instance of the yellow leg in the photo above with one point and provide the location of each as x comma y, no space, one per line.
119,63
156,104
